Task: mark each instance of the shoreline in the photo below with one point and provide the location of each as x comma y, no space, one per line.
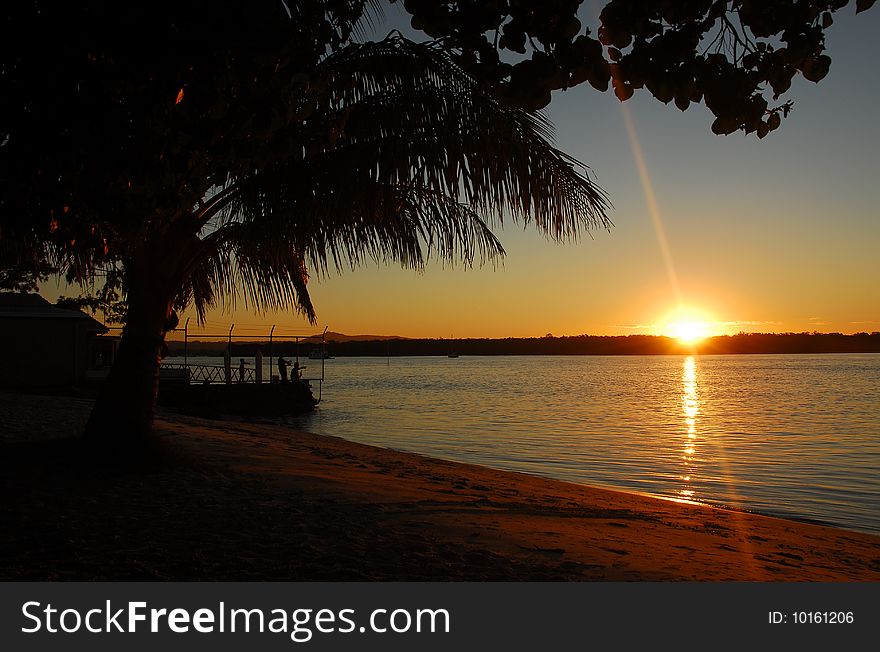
245,501
738,344
672,354
597,486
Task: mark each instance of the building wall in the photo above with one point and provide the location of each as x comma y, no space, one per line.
39,352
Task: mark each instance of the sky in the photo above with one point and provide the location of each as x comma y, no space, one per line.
772,235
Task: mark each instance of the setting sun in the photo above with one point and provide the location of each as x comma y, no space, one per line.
688,325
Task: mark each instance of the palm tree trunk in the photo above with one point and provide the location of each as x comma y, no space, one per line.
122,418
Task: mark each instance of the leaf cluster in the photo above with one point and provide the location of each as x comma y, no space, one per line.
738,57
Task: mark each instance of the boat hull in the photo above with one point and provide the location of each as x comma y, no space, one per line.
244,399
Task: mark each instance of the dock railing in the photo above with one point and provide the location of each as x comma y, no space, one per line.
293,348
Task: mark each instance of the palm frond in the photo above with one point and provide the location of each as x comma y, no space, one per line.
405,158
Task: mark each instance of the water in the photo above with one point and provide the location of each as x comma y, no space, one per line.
789,435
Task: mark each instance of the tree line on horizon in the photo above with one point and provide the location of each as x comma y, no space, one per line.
741,343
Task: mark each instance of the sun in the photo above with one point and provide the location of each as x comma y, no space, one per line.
687,325
688,331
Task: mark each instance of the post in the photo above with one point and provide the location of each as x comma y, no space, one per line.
323,352
258,367
227,359
271,333
186,348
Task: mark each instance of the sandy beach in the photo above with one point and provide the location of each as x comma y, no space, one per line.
249,501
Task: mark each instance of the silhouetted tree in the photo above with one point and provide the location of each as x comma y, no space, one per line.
200,152
24,275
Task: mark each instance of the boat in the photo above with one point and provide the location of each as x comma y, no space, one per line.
452,352
212,390
319,354
242,399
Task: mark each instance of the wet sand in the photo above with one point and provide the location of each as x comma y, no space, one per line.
245,501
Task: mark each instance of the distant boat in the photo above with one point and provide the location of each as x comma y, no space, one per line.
452,352
318,354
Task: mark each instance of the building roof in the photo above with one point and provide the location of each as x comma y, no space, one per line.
19,305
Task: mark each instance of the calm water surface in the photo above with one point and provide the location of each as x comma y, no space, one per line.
795,436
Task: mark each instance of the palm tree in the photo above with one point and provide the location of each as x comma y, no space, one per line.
399,156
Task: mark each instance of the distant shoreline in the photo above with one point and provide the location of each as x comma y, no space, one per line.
742,344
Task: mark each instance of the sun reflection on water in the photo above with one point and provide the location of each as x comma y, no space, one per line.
690,404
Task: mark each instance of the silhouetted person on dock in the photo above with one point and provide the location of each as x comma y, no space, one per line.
241,370
282,368
297,372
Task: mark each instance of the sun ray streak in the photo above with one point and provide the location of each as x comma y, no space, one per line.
651,200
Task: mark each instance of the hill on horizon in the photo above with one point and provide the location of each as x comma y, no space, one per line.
332,336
